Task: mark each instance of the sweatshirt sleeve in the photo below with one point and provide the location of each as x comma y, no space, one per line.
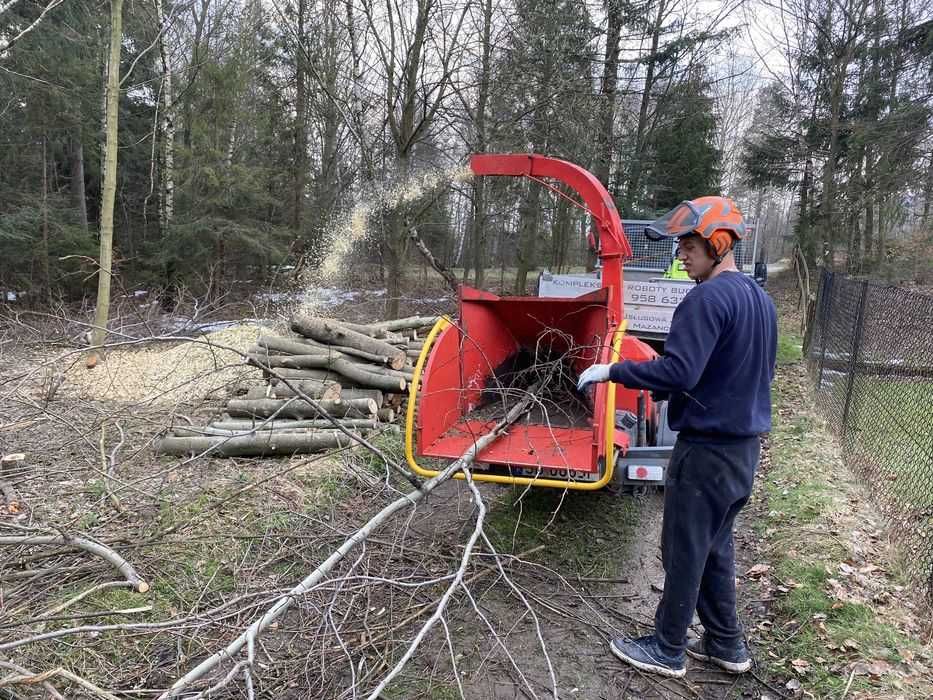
695,329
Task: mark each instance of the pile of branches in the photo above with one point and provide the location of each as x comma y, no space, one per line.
329,382
549,367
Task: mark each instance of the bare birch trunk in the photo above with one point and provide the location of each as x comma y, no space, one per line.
167,188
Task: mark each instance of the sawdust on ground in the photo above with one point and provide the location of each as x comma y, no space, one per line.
188,372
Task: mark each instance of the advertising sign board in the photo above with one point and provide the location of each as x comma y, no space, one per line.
649,304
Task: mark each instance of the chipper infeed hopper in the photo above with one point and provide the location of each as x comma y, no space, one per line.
471,368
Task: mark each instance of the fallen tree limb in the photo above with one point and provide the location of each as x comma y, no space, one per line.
49,688
445,598
100,550
209,431
84,594
297,377
298,408
402,471
373,394
10,497
234,424
409,323
42,678
259,444
281,606
325,391
374,378
267,344
371,331
12,465
334,334
108,465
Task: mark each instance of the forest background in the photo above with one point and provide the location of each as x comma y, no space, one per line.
248,130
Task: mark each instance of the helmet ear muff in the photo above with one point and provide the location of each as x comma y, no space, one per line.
720,243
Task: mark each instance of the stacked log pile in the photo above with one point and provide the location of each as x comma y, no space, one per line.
357,377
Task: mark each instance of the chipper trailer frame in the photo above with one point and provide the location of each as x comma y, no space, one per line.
625,436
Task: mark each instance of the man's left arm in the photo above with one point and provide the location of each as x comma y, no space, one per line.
695,330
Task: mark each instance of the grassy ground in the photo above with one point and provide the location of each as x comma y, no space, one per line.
891,438
836,630
583,533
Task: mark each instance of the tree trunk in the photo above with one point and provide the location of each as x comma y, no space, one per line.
478,237
394,251
527,246
882,247
300,135
634,174
869,236
607,93
44,248
560,237
372,394
927,194
828,233
109,187
77,179
194,68
803,223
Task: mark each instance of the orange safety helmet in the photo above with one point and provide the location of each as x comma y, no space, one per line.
717,219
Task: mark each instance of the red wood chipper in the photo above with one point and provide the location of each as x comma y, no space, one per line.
465,364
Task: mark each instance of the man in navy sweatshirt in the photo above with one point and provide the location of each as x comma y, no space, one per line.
716,370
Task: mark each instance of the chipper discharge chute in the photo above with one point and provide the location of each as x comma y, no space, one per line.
471,369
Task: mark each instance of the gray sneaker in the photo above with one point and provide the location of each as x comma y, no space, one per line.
645,654
733,659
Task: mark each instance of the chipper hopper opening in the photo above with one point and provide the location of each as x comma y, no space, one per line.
472,370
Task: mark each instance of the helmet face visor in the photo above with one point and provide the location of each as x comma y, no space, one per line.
683,219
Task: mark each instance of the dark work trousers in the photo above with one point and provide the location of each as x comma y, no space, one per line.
708,481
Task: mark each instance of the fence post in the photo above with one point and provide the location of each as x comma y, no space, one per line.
826,311
853,354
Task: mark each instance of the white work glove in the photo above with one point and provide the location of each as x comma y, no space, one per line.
591,375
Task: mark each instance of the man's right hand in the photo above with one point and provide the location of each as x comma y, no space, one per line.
591,375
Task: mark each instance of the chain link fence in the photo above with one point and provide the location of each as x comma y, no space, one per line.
870,355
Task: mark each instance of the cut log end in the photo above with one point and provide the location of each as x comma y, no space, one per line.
13,464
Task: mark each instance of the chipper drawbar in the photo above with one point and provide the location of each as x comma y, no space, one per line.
469,367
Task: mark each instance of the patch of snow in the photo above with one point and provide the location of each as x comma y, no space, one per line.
319,297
